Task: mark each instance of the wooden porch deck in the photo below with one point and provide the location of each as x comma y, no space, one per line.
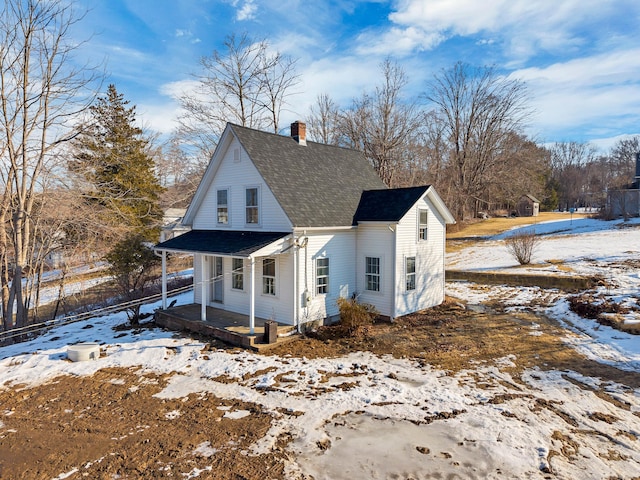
230,327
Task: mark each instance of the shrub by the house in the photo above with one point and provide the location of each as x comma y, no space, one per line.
356,317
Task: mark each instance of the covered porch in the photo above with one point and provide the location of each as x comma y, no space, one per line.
225,282
230,327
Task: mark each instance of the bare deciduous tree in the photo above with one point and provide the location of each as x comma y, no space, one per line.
323,121
384,124
279,77
520,168
480,110
244,83
40,93
178,174
569,161
622,159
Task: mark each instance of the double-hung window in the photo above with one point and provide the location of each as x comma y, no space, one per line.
322,275
423,217
269,276
372,274
223,207
237,273
252,214
410,273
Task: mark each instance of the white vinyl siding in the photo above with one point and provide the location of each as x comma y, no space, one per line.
376,240
229,176
279,308
429,260
340,248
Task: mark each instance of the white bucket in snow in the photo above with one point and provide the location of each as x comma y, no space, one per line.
81,352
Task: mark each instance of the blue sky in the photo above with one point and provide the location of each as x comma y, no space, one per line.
579,58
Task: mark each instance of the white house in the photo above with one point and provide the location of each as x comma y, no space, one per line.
282,227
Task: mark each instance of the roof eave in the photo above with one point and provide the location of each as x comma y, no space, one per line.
440,206
208,175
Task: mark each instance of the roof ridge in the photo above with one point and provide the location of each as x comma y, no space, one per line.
278,135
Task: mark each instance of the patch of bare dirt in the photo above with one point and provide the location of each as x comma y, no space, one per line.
453,338
112,426
605,310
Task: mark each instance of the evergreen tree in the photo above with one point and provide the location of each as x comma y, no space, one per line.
112,157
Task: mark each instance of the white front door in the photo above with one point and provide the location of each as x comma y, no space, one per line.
217,279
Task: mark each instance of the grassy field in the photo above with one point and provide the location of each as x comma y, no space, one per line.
493,226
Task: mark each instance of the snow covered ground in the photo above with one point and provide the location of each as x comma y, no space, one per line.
588,247
363,416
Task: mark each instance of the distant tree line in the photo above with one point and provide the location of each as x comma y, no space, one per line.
82,179
465,133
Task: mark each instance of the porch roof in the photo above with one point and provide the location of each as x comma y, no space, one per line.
232,243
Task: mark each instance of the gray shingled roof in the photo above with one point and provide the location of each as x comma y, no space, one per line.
388,205
317,185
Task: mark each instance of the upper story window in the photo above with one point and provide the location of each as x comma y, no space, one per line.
372,274
223,207
410,273
423,218
322,275
252,213
237,273
269,276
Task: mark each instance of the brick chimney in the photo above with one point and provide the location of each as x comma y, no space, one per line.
299,132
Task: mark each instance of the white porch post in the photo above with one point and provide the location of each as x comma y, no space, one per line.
295,283
252,295
164,280
203,289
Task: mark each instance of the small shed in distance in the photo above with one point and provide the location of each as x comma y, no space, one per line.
528,206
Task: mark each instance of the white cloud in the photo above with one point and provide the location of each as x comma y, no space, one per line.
525,27
605,144
611,68
342,78
597,95
464,17
247,11
398,41
159,117
177,89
